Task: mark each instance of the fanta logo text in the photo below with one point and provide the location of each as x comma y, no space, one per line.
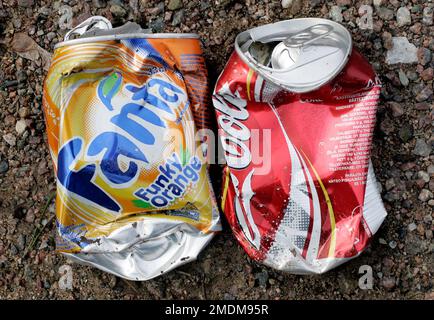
172,182
237,135
134,119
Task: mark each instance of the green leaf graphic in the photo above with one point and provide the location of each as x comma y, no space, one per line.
111,84
142,204
185,156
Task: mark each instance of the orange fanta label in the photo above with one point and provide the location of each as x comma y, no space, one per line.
122,119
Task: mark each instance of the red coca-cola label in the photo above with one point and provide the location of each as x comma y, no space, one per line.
297,165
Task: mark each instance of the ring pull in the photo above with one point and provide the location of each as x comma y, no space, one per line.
308,35
96,22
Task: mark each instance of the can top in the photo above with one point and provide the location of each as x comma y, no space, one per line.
299,55
98,28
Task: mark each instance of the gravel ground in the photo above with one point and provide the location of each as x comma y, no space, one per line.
400,255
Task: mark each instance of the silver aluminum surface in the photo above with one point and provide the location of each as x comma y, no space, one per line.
146,249
299,55
98,28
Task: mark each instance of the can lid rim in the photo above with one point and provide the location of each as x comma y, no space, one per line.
293,87
128,36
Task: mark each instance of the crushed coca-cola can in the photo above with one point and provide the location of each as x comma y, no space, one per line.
296,106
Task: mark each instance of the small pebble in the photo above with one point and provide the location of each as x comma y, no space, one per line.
412,226
422,148
10,139
425,195
4,166
20,126
118,11
336,14
403,17
286,3
403,78
174,5
388,283
423,175
427,17
178,18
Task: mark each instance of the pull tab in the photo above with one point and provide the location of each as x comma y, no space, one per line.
308,35
96,22
290,54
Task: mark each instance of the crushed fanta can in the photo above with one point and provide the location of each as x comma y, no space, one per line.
296,107
123,108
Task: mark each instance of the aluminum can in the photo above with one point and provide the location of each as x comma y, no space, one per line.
123,108
296,107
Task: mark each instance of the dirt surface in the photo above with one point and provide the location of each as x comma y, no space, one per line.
401,253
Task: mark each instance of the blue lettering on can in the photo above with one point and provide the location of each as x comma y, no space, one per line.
110,145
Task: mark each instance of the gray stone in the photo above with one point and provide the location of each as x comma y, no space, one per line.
174,5
158,9
423,175
427,17
425,94
416,9
26,3
424,56
412,75
315,3
262,278
178,17
21,242
388,283
385,13
157,25
20,126
422,148
296,6
396,108
51,35
118,11
10,139
425,195
13,250
403,17
24,112
412,226
390,184
403,78
286,3
228,296
401,52
336,14
99,3
343,3
21,76
4,166
415,245
387,40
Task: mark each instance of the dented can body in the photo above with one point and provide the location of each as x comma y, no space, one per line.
299,190
122,109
